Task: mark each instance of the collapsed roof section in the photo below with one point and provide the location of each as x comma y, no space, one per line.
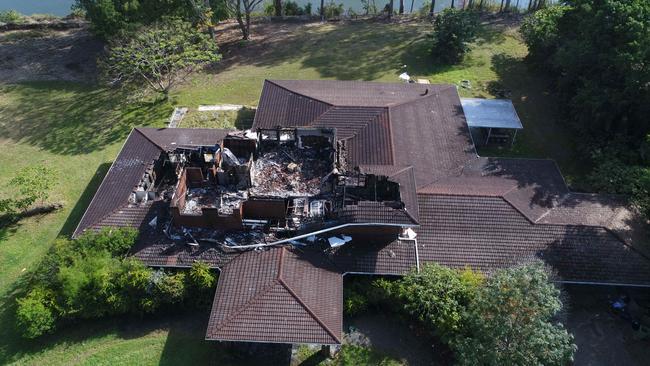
281,181
416,125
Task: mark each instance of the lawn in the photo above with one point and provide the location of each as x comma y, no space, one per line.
78,129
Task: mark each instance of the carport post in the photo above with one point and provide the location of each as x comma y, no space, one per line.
513,139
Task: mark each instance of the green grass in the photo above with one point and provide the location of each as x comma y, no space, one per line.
241,119
75,129
78,130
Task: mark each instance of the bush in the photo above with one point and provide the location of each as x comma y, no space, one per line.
89,278
453,31
11,16
201,281
170,288
614,175
87,285
116,242
438,296
34,315
361,293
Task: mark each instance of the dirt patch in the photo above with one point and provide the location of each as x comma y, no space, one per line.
68,55
602,337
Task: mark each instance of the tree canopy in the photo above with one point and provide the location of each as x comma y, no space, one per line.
597,53
510,322
159,55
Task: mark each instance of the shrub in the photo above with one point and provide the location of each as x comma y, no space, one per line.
87,285
354,303
117,242
201,281
169,288
11,16
613,175
292,8
438,296
35,315
134,281
453,31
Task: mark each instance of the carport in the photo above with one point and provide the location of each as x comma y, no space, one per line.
491,119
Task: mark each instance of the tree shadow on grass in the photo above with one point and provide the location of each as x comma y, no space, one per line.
543,135
80,207
356,51
186,344
71,119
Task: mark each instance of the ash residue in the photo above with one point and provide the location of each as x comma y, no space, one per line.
286,171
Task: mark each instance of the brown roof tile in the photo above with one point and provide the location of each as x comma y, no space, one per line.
122,177
487,233
375,254
278,295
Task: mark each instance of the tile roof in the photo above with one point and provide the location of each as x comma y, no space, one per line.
486,213
375,254
487,233
383,123
278,295
405,177
122,177
109,206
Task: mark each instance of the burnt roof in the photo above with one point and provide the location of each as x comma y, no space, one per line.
382,123
278,295
109,206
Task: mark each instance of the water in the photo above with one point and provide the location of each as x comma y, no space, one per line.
62,7
55,7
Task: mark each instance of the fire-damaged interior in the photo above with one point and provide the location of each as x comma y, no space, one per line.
266,185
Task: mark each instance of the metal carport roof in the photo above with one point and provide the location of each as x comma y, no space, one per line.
490,113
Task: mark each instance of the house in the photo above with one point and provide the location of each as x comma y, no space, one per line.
346,177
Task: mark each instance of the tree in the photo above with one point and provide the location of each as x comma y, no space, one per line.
160,55
510,322
453,31
31,185
541,34
243,19
277,5
401,7
111,17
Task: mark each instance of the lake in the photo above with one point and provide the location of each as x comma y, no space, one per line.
62,7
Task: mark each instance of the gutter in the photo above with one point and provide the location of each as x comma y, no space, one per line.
303,236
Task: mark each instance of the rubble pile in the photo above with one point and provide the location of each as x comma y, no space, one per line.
287,171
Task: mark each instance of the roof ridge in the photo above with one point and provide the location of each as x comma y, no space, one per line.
250,301
148,138
301,302
301,94
421,97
